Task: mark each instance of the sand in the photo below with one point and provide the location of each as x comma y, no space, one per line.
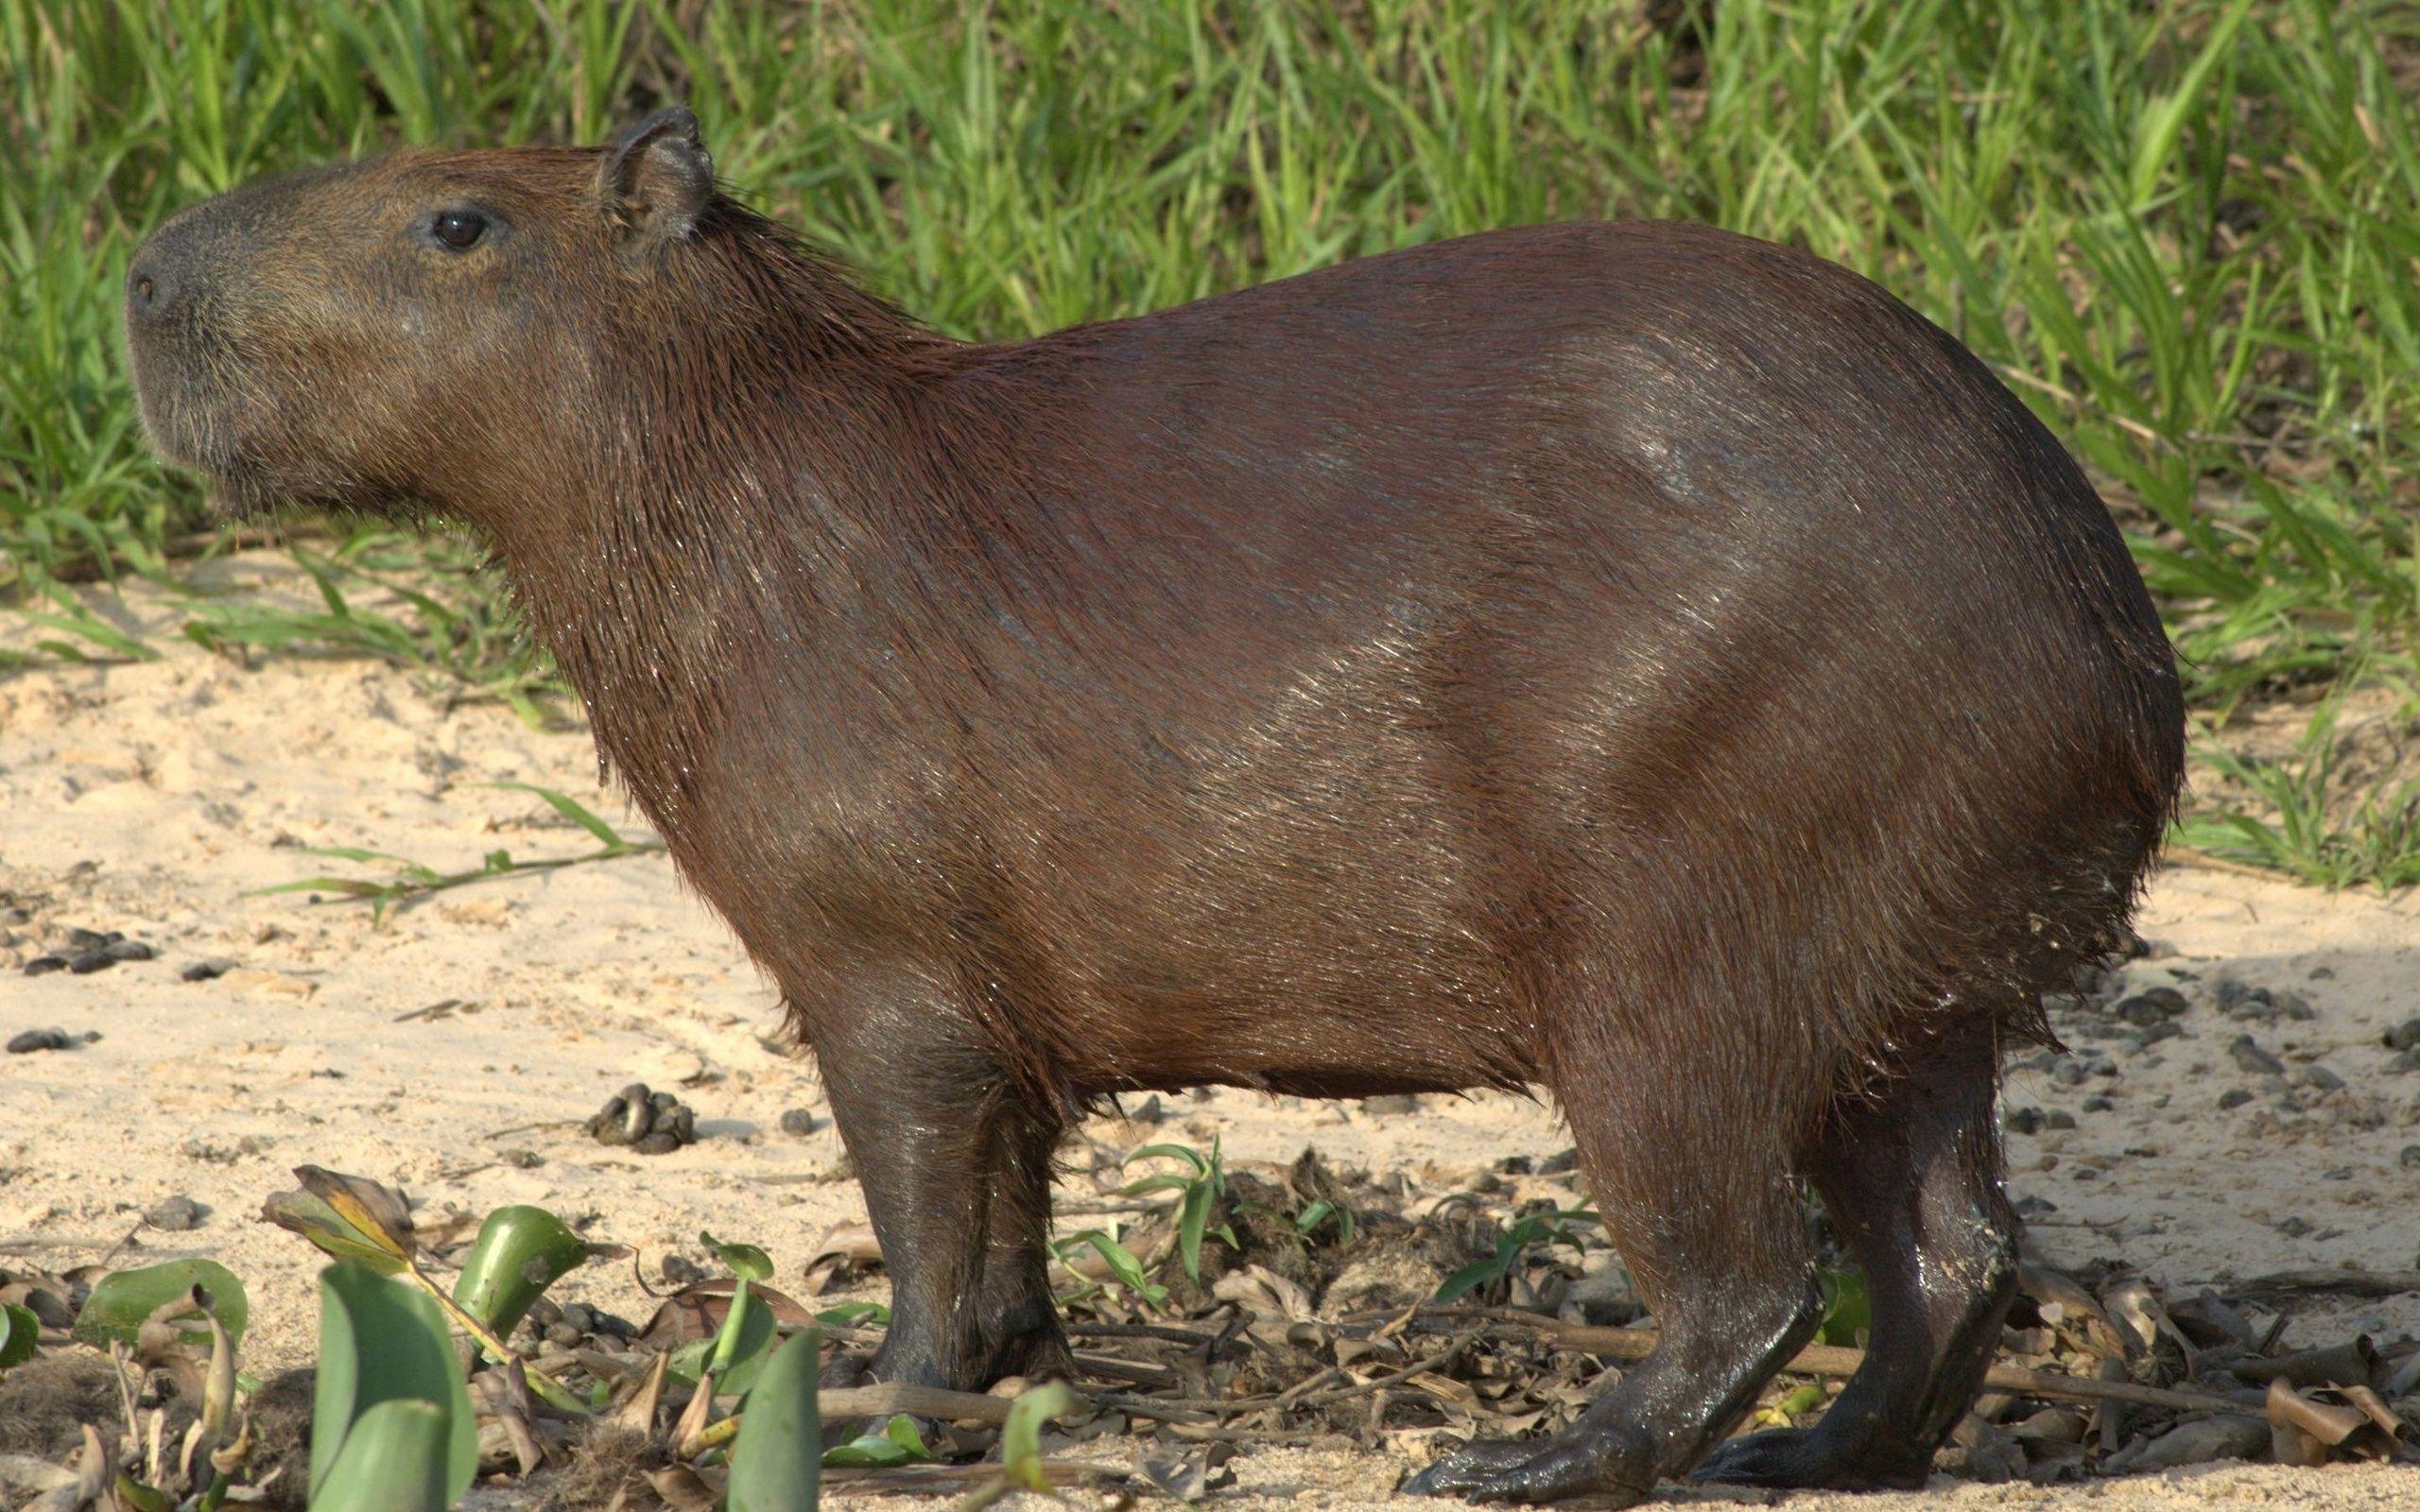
155,798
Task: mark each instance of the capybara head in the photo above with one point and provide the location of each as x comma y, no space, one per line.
425,330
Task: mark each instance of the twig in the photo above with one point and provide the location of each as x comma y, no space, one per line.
1141,1330
2350,1282
1835,1360
2184,855
1237,1406
917,1401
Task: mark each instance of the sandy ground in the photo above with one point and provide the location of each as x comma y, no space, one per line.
152,798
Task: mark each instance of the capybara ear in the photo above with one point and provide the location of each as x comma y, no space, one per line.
657,178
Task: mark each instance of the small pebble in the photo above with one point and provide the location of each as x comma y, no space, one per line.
2058,1118
2233,1097
2068,1073
2294,1006
2035,1207
2098,1104
129,949
2253,1059
84,963
2153,1006
1390,1103
177,1214
521,1159
33,1039
2025,1121
2321,1077
2410,1159
797,1121
2409,1060
44,965
208,970
2404,1036
89,940
1560,1164
679,1272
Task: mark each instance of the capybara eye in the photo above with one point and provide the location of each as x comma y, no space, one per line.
459,229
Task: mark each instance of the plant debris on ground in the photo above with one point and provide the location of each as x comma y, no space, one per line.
1214,1311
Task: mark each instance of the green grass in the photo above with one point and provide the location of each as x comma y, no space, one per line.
2188,232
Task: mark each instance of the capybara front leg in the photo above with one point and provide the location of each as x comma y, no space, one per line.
923,1121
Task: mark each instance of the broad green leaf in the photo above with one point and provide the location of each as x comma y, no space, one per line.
746,1261
383,1341
122,1300
738,1352
133,1496
395,1459
326,1229
897,1444
520,1252
777,1460
20,1335
377,1214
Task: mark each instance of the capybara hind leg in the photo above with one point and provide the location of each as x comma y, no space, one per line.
1712,1229
1910,1174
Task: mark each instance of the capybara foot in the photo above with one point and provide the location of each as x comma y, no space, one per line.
1531,1470
846,1369
1801,1457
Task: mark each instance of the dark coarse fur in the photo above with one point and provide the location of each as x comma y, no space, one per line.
1630,659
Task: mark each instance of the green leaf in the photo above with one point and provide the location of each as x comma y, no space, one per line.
383,1341
395,1459
133,1496
323,1227
738,1352
2162,123
570,808
20,1335
1123,1267
1848,1314
777,1460
1021,1437
746,1261
122,1300
520,1252
374,1214
897,1444
848,1315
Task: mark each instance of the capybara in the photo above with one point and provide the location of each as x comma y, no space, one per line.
1628,659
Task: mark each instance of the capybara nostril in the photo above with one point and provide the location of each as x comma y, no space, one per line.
151,288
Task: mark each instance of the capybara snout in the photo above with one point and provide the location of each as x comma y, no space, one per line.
1627,659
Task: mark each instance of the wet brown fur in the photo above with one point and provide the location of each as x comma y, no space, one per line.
1629,659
